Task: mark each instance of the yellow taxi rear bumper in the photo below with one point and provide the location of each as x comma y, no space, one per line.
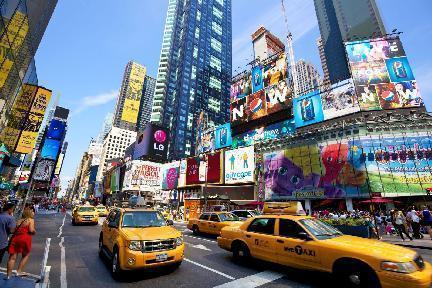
224,243
132,260
419,279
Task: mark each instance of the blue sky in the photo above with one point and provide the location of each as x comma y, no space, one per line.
88,43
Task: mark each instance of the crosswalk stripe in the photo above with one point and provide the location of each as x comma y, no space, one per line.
208,268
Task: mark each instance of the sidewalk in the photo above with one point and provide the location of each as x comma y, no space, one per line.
424,243
16,282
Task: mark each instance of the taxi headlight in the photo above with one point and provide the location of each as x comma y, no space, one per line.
179,241
135,245
406,267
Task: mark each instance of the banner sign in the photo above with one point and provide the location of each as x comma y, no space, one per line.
239,165
170,175
142,176
133,93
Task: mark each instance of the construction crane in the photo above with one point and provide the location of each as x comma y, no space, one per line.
291,62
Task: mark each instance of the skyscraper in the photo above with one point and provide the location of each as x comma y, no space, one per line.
308,77
326,79
344,20
129,99
194,72
106,126
146,103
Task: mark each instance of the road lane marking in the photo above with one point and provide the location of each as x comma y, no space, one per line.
61,227
63,282
209,269
208,240
198,246
253,281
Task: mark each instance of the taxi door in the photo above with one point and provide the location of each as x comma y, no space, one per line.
213,225
112,229
203,223
294,246
260,239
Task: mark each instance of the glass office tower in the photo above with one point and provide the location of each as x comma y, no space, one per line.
194,72
342,20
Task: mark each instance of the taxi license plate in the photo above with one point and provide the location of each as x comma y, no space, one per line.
161,257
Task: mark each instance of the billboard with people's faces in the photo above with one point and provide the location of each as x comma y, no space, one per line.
239,165
382,75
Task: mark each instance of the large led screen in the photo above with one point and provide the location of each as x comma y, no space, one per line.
222,136
50,149
308,109
339,100
56,129
241,86
170,175
43,171
239,165
382,75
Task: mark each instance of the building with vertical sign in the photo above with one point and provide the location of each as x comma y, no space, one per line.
194,70
308,77
129,99
341,20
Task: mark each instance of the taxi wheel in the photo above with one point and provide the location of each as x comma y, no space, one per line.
73,222
195,230
240,251
116,270
101,254
358,276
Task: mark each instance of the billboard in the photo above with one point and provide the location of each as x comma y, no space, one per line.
275,70
222,136
339,100
50,149
170,175
115,180
214,167
239,165
257,79
398,165
241,87
61,113
56,129
141,176
192,171
43,170
153,142
308,109
279,97
182,173
264,133
133,93
315,170
256,104
238,111
59,164
382,75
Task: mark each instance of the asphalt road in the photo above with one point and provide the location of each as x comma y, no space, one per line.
205,264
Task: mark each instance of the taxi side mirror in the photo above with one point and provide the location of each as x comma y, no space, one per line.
304,236
170,222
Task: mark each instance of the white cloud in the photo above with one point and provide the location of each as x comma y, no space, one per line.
96,100
301,19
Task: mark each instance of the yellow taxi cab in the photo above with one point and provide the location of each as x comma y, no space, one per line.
102,210
139,238
212,222
304,242
85,214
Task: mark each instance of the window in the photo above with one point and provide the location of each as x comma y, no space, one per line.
262,225
215,83
216,45
193,75
221,2
289,228
214,218
197,32
217,28
243,214
204,217
215,63
217,12
195,52
198,15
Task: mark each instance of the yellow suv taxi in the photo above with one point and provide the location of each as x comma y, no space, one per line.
85,214
304,242
102,210
139,238
212,222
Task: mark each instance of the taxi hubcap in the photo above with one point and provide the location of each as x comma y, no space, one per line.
354,279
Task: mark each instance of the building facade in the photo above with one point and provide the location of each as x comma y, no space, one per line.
265,44
146,103
343,20
308,77
114,146
106,126
23,25
194,72
129,99
326,77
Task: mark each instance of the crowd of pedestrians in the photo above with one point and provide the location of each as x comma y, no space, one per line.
16,237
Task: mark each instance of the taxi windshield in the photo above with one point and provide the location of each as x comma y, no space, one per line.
142,219
320,229
86,209
100,208
228,217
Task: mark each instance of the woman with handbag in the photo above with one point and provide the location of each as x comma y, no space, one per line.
21,242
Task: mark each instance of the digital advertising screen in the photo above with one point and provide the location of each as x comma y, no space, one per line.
44,169
257,79
241,87
133,93
256,104
223,136
279,97
239,113
275,70
308,109
56,129
50,149
382,75
339,100
239,165
170,175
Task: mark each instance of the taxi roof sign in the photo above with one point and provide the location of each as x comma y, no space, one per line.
290,207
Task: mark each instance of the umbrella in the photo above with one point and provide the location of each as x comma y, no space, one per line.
378,200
